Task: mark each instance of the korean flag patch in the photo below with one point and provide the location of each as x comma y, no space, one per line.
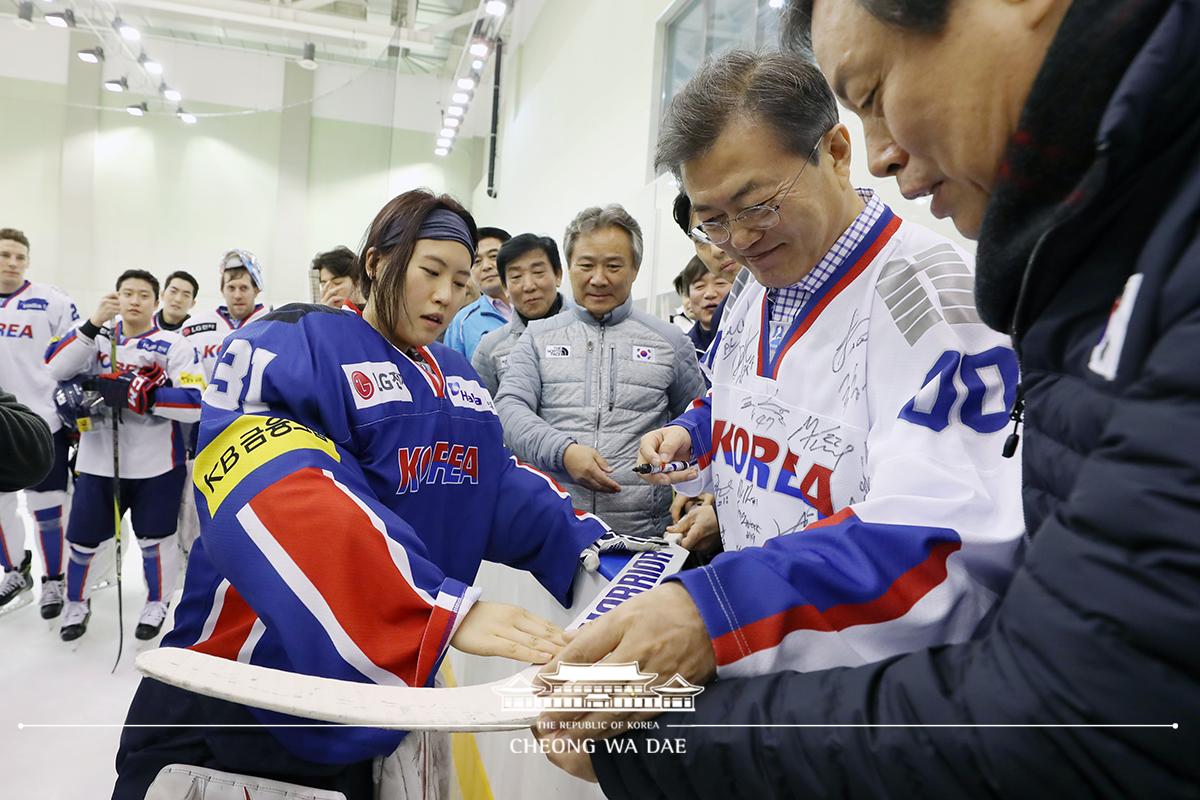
643,353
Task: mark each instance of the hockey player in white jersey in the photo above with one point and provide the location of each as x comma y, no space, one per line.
31,316
178,299
241,277
154,386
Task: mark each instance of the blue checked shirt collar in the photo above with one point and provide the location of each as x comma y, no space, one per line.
785,303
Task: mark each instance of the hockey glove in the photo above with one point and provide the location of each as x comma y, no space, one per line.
612,542
143,386
114,388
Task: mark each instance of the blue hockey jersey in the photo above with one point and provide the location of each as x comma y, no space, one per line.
347,494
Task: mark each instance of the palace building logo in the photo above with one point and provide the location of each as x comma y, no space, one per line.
598,687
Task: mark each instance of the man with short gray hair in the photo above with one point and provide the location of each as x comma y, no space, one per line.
584,386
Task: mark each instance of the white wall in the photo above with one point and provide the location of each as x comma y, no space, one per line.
99,191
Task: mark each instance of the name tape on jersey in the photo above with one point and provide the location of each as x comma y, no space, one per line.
33,304
558,351
374,383
466,393
245,445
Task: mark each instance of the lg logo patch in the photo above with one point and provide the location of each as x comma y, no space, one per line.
374,383
362,385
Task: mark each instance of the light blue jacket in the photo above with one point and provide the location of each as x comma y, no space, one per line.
471,323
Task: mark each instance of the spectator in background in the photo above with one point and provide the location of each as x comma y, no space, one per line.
702,292
178,300
531,270
582,387
337,277
491,310
713,257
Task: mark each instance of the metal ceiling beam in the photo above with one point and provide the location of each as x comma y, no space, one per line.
290,20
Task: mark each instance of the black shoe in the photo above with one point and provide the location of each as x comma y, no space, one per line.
76,621
53,593
151,621
16,581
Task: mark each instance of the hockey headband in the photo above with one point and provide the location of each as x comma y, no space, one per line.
441,224
243,259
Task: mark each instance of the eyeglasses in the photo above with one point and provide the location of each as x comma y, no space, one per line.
755,218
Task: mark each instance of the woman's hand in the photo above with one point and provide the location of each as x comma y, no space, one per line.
499,629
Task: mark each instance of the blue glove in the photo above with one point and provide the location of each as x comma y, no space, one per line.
613,542
114,388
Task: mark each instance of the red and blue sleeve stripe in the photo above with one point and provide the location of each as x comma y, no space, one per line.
57,347
835,574
176,397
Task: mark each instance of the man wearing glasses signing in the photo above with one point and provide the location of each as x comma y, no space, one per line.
855,430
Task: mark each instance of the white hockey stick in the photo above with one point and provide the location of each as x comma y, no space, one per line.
465,708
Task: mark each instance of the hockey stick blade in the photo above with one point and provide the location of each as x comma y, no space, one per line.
465,708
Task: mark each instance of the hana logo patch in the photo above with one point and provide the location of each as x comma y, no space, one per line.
374,383
558,351
643,353
469,394
33,304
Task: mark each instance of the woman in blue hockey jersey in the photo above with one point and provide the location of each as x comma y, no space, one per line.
351,478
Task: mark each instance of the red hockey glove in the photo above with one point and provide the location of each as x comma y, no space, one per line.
141,389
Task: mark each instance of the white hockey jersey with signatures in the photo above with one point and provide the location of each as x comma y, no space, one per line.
30,319
858,469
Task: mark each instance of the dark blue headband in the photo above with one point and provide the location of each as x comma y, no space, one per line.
441,224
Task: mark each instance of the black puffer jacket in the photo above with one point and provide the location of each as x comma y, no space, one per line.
1101,626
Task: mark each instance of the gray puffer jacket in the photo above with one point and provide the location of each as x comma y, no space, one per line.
491,356
604,384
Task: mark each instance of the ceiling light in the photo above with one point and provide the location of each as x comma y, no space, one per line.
93,55
150,65
775,3
441,151
456,111
460,97
24,19
137,110
127,31
116,84
61,19
452,122
185,117
477,64
480,49
444,142
497,8
448,133
309,59
173,95
466,84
